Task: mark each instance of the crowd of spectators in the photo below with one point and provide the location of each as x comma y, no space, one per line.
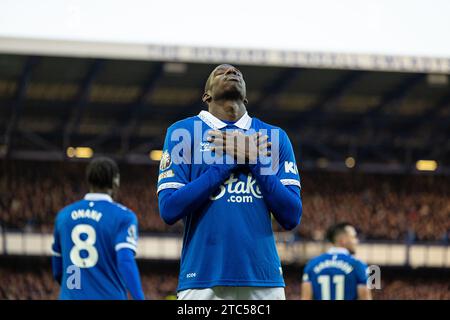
417,288
383,207
161,285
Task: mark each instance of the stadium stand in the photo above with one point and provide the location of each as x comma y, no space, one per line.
21,281
384,207
121,108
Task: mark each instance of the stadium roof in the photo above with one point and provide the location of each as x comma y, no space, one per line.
386,120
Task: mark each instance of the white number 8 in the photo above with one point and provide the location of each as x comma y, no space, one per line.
87,244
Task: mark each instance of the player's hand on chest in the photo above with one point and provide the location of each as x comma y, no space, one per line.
240,147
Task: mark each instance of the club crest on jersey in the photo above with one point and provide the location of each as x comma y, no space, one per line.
166,161
205,146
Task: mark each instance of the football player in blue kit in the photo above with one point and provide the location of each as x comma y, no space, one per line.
225,174
95,242
336,274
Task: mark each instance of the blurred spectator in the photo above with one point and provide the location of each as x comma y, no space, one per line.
387,207
17,284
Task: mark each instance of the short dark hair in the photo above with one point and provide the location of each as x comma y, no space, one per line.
101,172
335,230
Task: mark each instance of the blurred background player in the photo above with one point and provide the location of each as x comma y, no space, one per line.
229,248
336,274
95,241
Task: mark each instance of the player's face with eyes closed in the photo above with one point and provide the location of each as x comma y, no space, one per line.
227,82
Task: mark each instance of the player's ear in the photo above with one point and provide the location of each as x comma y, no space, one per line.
206,97
245,101
116,182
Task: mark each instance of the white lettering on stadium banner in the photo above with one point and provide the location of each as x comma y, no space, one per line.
301,59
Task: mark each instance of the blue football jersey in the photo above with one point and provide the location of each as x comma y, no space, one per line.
87,235
229,240
335,275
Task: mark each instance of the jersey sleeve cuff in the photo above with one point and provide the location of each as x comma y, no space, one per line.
125,245
291,182
170,185
55,254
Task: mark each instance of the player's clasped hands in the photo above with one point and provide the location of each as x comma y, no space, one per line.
240,147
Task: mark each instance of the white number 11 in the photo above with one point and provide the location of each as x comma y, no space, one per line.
338,281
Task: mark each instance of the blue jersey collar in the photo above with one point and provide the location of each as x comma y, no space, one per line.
338,250
243,123
98,197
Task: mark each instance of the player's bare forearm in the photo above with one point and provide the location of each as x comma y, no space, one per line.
306,291
175,204
364,293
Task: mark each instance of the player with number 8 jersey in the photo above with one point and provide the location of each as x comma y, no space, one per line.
95,240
